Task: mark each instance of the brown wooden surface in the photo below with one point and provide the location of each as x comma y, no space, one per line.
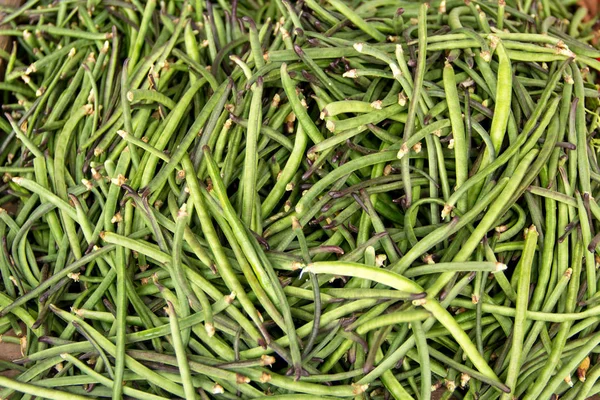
9,352
592,5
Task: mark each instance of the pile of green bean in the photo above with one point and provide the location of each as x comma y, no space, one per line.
298,200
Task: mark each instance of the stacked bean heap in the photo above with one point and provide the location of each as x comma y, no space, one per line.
297,199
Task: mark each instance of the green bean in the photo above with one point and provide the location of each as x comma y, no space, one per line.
534,315
26,141
458,130
267,131
303,117
392,319
416,95
362,271
348,106
521,307
140,143
373,117
250,162
556,196
397,135
141,35
466,266
357,20
138,95
184,367
503,96
37,390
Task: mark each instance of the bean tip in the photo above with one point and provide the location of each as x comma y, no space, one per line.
504,388
447,210
296,223
358,389
217,389
568,273
377,104
305,268
265,377
500,267
330,125
351,73
419,302
267,360
210,329
182,212
450,385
